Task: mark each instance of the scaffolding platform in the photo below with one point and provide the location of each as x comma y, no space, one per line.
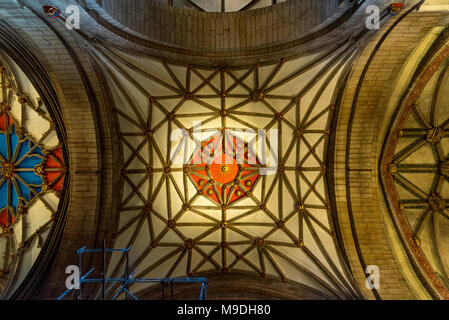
127,279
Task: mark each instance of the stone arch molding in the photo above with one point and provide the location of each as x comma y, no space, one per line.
412,166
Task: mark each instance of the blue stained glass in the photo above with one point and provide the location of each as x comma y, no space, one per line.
3,194
29,162
30,177
13,139
24,191
15,199
3,146
21,169
23,149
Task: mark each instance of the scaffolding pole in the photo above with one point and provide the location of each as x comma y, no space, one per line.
128,278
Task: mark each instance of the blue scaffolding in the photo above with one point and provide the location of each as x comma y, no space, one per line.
127,279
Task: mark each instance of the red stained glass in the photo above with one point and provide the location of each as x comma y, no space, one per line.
5,121
4,218
54,169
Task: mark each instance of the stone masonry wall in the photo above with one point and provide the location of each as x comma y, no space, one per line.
253,28
364,150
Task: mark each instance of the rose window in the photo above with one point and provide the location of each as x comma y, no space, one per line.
32,174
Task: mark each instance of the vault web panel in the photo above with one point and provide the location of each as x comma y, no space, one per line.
235,160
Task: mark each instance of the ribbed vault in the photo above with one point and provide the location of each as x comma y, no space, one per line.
413,165
420,171
302,215
272,217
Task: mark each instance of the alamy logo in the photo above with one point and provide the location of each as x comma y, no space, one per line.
73,280
373,20
373,277
73,17
72,20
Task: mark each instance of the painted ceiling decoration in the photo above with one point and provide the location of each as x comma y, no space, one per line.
270,215
221,5
220,177
32,172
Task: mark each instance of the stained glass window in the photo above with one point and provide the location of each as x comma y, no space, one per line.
32,171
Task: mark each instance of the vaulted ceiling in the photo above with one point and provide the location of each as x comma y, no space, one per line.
251,153
420,171
185,215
